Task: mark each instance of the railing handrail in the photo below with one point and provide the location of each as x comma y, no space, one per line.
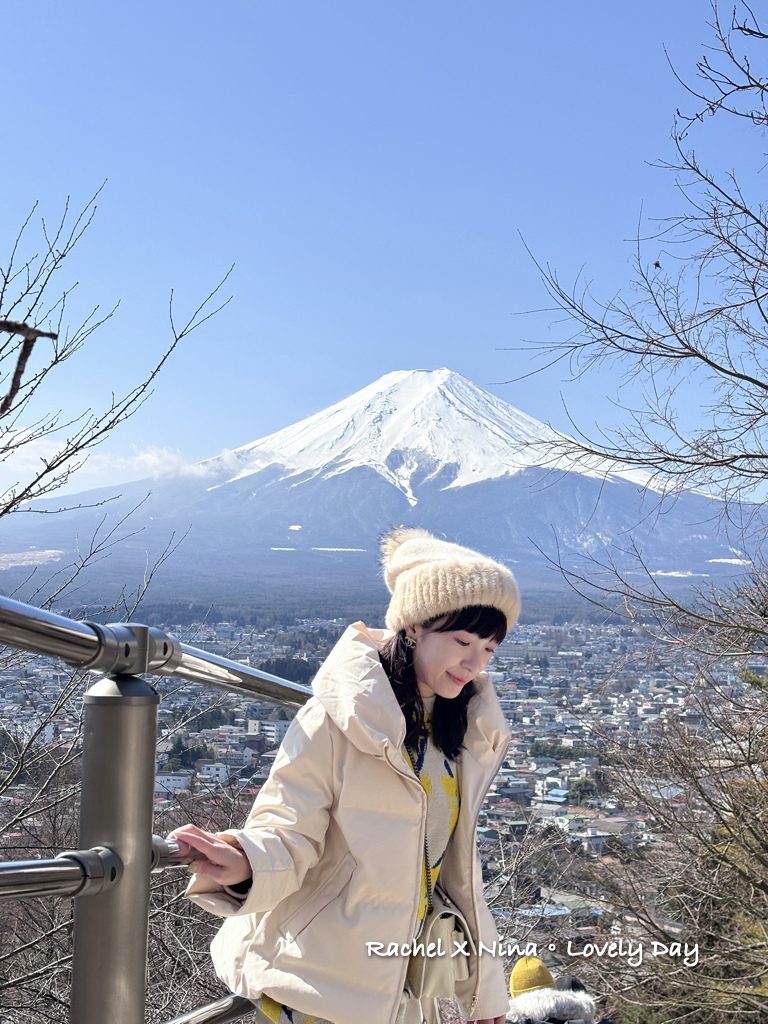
223,1011
128,647
78,872
23,879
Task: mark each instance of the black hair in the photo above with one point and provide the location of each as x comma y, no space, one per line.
449,716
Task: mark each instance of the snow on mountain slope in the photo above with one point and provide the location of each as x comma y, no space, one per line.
413,427
302,508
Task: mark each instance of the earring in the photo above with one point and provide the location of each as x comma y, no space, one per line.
410,642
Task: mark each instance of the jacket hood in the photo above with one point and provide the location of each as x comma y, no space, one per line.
355,691
542,1003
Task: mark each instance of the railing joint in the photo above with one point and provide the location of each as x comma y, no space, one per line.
102,868
129,648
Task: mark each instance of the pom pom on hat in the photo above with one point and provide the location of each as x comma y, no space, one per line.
391,541
428,577
529,973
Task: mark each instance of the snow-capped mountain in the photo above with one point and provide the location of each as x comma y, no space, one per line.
413,427
302,508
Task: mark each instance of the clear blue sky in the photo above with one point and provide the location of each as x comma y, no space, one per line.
368,166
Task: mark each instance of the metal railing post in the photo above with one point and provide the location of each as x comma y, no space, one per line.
118,780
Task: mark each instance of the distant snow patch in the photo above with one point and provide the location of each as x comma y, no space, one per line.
282,549
9,561
730,561
294,527
339,549
678,573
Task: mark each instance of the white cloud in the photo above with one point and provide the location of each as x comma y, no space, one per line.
154,462
106,469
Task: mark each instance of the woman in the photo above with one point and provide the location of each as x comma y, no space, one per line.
393,755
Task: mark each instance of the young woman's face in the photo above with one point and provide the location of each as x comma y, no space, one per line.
445,662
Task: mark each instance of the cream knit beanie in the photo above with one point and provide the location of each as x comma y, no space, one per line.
428,577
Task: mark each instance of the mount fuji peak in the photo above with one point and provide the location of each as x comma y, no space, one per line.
414,428
300,510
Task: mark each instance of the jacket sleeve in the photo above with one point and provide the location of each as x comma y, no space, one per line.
284,834
493,996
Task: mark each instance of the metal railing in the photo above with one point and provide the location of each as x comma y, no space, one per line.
109,876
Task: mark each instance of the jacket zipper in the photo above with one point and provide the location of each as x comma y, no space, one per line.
422,840
472,873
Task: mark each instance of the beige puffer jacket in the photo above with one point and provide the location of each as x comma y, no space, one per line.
336,842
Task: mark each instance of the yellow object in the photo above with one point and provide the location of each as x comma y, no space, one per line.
529,973
270,1009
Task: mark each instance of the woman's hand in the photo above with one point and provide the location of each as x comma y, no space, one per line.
216,855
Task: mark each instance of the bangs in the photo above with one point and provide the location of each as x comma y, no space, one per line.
484,621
